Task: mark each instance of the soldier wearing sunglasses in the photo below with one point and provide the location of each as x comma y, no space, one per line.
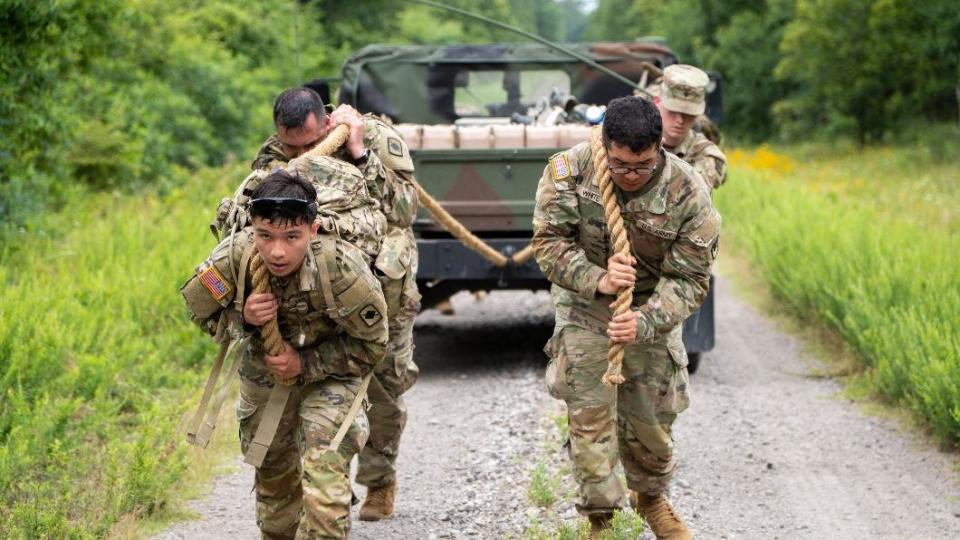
332,316
673,231
382,160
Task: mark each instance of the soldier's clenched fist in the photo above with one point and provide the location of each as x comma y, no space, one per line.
259,309
620,274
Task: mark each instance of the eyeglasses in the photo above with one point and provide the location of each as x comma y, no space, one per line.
620,169
283,207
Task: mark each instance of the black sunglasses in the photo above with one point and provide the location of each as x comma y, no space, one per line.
283,207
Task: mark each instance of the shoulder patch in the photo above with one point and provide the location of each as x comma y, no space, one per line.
370,315
394,146
560,167
213,280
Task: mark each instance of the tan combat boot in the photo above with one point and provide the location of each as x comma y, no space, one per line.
659,515
379,502
598,524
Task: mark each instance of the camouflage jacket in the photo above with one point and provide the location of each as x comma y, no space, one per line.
673,231
388,170
705,156
332,310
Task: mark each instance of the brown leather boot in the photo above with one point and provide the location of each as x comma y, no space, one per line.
660,517
379,503
598,524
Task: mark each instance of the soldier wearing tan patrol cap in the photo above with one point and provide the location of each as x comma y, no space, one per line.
681,97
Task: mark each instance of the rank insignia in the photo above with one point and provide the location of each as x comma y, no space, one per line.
214,282
370,315
394,146
559,167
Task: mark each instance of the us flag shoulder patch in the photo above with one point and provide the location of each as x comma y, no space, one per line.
213,280
559,167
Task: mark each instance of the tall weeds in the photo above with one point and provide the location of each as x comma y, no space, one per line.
98,360
866,253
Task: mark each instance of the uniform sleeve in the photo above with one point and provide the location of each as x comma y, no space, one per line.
374,175
556,222
361,316
209,293
685,278
713,167
401,201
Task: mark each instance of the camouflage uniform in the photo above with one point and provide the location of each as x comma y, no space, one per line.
673,231
388,173
302,487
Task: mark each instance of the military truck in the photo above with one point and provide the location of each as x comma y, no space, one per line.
481,122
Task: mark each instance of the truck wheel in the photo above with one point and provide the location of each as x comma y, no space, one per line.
693,362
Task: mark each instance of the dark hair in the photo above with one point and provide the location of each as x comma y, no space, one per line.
292,107
632,121
283,185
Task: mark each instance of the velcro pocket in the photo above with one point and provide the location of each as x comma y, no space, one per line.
707,231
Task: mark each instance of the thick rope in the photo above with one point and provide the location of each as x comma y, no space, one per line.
611,211
455,228
330,144
270,332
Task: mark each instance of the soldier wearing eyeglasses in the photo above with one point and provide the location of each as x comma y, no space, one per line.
681,99
673,232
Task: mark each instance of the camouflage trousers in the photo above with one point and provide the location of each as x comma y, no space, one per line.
303,489
393,376
632,421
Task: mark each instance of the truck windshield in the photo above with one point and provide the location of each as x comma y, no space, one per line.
491,92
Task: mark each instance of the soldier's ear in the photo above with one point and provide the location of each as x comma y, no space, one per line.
314,228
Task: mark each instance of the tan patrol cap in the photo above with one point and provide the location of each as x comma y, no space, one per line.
684,89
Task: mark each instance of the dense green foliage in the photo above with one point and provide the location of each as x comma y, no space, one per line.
121,93
874,260
796,67
98,360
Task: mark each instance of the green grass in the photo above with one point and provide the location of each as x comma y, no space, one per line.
544,487
98,361
867,244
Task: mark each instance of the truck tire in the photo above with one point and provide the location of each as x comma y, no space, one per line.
693,362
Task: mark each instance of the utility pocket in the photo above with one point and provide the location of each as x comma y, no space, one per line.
251,398
558,368
675,347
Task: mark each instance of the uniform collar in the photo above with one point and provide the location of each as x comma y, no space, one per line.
685,145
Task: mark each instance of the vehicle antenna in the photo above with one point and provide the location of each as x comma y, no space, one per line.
583,58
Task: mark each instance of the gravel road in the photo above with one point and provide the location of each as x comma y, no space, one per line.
767,449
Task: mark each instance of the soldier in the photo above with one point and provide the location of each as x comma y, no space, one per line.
681,97
332,317
384,160
673,231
